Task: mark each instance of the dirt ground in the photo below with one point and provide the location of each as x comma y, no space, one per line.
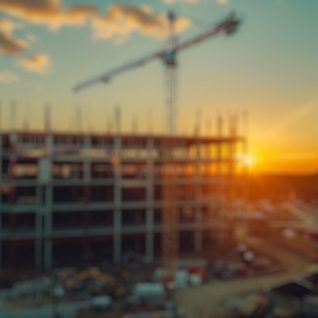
207,301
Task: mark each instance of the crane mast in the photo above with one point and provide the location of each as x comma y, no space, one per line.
171,77
170,213
169,57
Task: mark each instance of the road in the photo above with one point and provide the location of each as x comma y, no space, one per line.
206,301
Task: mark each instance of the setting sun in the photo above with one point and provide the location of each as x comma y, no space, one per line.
248,160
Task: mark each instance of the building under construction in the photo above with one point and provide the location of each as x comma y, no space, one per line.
68,198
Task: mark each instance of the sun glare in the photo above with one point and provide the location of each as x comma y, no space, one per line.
248,160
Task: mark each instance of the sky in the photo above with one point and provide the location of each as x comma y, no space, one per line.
269,69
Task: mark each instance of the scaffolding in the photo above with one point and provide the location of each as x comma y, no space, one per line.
101,195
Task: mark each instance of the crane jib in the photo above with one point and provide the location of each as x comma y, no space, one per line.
227,26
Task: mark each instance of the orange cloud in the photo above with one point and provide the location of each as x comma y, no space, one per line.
9,45
47,12
122,19
7,77
186,1
38,63
7,25
222,2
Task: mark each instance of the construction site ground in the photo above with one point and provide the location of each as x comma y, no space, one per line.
291,258
290,261
208,301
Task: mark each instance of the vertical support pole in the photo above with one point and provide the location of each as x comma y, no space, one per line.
150,201
197,189
134,125
1,181
220,185
170,229
1,155
40,215
231,172
87,168
170,213
245,151
117,164
46,176
211,178
208,167
38,228
87,160
12,162
244,177
48,228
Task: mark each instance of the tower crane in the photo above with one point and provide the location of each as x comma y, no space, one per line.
168,56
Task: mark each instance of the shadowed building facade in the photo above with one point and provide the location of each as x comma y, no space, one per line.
68,198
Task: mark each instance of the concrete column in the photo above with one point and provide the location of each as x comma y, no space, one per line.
220,182
1,180
48,228
198,198
231,166
245,172
230,239
117,166
38,239
38,228
48,204
87,177
87,161
13,158
1,154
117,223
149,202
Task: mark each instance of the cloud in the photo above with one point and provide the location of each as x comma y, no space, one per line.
31,38
222,2
7,77
192,1
8,26
38,63
47,12
119,21
185,1
9,45
122,19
